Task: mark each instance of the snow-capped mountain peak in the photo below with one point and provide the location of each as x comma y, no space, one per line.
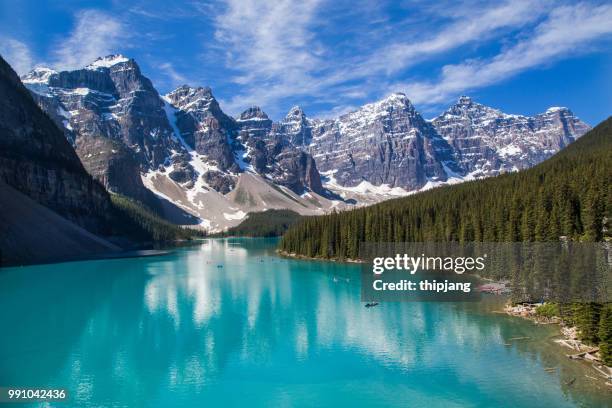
192,99
295,112
394,99
252,113
556,109
107,62
466,109
39,75
464,100
396,102
295,118
488,141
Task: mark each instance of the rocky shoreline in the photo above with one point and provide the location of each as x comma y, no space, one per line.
570,340
311,258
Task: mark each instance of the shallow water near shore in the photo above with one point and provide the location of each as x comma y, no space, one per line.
228,322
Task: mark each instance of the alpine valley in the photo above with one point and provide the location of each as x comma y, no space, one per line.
181,154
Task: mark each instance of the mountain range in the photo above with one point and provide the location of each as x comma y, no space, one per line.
180,150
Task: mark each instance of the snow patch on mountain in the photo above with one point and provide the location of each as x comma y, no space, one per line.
238,215
39,75
365,187
197,161
107,62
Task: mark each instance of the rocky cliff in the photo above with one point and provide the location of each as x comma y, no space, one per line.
37,159
231,146
487,141
388,144
383,143
113,116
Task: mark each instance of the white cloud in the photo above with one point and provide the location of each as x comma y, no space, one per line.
175,77
477,26
268,38
95,34
274,50
271,46
567,31
17,54
337,111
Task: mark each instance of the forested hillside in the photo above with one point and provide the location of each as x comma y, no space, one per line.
145,226
270,223
569,195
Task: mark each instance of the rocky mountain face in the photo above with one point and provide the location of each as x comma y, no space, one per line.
383,143
204,129
269,149
185,148
487,142
112,115
121,127
204,126
37,159
231,146
388,143
254,127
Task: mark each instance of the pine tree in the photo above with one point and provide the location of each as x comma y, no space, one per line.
587,320
605,334
593,215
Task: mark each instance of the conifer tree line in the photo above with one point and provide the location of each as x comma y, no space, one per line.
567,197
269,223
141,223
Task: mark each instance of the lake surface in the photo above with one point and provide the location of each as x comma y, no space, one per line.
179,331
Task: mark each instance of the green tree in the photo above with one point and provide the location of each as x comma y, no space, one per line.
605,334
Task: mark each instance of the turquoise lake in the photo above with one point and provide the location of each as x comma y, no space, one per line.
178,331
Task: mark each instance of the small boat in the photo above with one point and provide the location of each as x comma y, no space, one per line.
371,304
219,266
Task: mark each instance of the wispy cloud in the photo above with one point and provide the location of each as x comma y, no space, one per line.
337,111
95,34
275,53
568,31
268,39
17,54
175,78
477,26
270,46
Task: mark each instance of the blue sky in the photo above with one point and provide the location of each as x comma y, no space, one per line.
331,56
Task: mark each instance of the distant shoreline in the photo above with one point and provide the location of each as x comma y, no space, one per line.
143,253
94,257
310,258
